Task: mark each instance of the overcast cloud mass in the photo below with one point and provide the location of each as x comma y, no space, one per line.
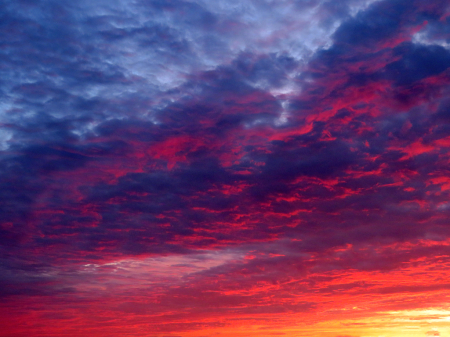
224,168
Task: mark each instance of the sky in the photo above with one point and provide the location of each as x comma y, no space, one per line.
195,168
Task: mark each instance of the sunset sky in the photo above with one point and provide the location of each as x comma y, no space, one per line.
225,168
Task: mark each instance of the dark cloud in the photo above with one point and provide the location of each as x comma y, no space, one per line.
377,24
417,62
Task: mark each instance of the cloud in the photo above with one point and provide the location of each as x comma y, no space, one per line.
246,159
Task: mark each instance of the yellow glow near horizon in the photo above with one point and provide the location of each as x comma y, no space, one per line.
432,322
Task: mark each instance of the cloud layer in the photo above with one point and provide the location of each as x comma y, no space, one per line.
175,168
